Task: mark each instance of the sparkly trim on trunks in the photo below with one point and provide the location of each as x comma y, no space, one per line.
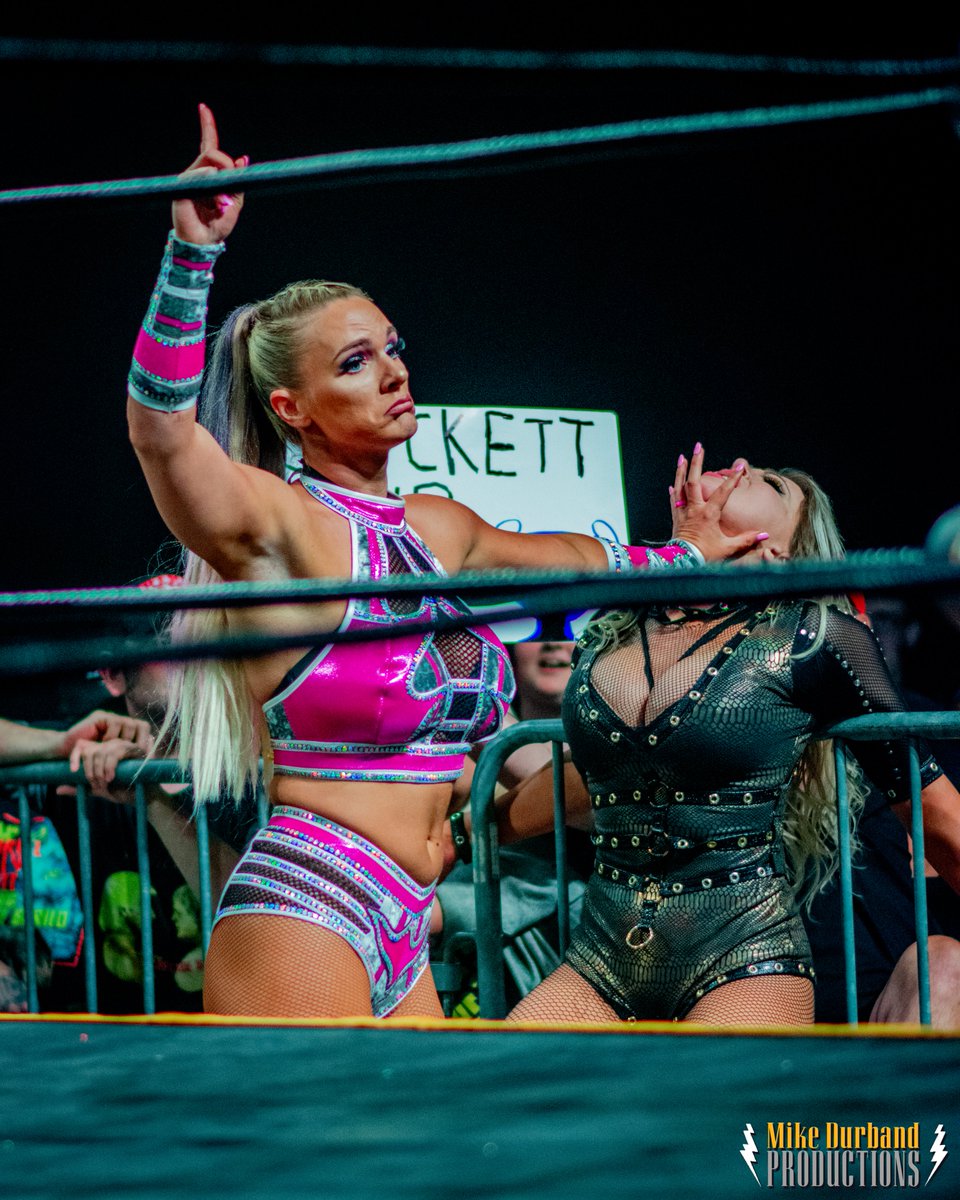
303,866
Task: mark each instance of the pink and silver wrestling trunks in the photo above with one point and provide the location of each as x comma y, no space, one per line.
304,866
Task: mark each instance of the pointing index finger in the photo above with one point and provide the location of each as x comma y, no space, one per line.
209,139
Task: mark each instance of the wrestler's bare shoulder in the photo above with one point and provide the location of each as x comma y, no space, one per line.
429,506
448,527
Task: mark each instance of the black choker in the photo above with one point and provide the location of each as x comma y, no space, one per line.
666,614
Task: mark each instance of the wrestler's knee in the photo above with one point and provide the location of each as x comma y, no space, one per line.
899,1002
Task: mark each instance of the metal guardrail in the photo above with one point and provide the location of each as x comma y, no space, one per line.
139,776
489,934
486,870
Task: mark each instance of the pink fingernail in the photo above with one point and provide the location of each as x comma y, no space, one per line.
698,449
762,537
680,461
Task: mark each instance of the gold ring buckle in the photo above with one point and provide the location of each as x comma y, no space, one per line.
644,936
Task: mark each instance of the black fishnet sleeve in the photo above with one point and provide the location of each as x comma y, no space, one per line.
847,676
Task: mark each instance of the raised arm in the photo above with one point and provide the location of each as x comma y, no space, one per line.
220,509
457,533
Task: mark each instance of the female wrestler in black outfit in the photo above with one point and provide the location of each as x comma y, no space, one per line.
691,731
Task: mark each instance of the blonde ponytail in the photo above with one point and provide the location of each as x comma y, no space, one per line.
212,720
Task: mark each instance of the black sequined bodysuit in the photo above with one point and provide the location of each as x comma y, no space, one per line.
687,734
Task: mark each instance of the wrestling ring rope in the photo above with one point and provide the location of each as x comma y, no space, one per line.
313,170
541,594
458,58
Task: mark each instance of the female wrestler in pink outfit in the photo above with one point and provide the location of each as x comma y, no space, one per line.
363,739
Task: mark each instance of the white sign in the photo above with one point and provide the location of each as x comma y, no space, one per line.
532,470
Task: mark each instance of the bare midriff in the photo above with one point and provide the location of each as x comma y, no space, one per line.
405,820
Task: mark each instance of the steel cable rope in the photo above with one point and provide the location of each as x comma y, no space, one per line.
859,570
337,163
460,58
541,594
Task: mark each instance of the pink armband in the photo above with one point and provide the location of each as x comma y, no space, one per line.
678,555
168,357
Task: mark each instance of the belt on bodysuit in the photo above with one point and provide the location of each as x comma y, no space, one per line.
658,843
660,795
673,887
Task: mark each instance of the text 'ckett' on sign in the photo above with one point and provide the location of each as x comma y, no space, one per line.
531,470
527,469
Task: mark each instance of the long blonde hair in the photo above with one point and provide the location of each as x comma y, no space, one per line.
810,831
810,820
212,718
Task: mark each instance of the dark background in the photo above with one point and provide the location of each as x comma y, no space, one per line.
790,293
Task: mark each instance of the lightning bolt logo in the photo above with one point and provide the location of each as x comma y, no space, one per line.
937,1154
749,1152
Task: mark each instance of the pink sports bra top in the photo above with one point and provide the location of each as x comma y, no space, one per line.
406,707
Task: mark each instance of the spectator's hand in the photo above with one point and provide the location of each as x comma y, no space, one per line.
206,219
101,726
697,520
98,761
13,993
